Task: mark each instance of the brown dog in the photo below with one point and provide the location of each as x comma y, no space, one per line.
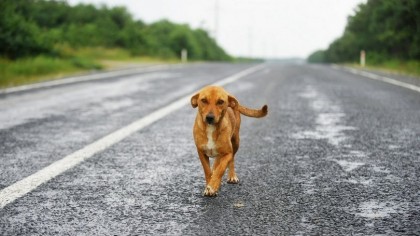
216,133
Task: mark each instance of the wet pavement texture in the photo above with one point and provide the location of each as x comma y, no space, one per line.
337,154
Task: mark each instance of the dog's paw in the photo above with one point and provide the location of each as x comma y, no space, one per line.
233,180
209,192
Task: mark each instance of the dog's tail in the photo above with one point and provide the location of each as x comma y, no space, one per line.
252,112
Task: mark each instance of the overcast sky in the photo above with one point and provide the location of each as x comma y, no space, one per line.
256,28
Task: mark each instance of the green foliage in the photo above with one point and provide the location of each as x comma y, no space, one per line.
209,48
317,57
26,70
43,65
70,60
34,27
385,29
19,37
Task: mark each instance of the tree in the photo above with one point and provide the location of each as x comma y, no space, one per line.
386,29
27,30
19,37
317,57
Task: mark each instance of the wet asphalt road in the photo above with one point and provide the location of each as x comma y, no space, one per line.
338,154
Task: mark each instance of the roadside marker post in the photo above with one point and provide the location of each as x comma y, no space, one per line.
184,55
362,58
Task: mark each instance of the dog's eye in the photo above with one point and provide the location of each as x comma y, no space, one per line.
204,101
220,102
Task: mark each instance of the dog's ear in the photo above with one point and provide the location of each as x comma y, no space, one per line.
233,103
194,100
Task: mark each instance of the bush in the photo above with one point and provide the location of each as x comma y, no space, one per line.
19,37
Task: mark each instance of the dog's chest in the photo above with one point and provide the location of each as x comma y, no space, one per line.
210,147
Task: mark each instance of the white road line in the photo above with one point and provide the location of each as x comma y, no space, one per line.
70,80
380,78
26,185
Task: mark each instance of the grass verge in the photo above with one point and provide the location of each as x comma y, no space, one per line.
410,68
30,70
68,61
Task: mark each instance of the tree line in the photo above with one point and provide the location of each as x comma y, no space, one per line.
385,29
33,27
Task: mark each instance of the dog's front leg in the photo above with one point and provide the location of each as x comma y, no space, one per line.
232,177
205,162
219,168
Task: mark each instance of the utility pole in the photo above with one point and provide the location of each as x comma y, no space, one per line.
250,41
216,19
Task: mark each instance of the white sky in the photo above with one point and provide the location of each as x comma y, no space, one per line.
256,28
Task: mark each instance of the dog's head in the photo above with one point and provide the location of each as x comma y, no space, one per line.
212,103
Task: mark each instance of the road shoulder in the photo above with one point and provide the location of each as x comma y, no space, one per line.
409,82
89,76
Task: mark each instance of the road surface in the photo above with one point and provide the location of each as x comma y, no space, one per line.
338,154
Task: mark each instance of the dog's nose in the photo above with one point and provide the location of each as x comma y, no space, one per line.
210,118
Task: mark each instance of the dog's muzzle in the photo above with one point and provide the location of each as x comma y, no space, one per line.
210,118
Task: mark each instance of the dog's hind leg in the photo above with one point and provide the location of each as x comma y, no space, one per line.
232,177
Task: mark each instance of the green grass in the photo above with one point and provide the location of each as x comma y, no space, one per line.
69,61
107,54
30,70
411,68
404,67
